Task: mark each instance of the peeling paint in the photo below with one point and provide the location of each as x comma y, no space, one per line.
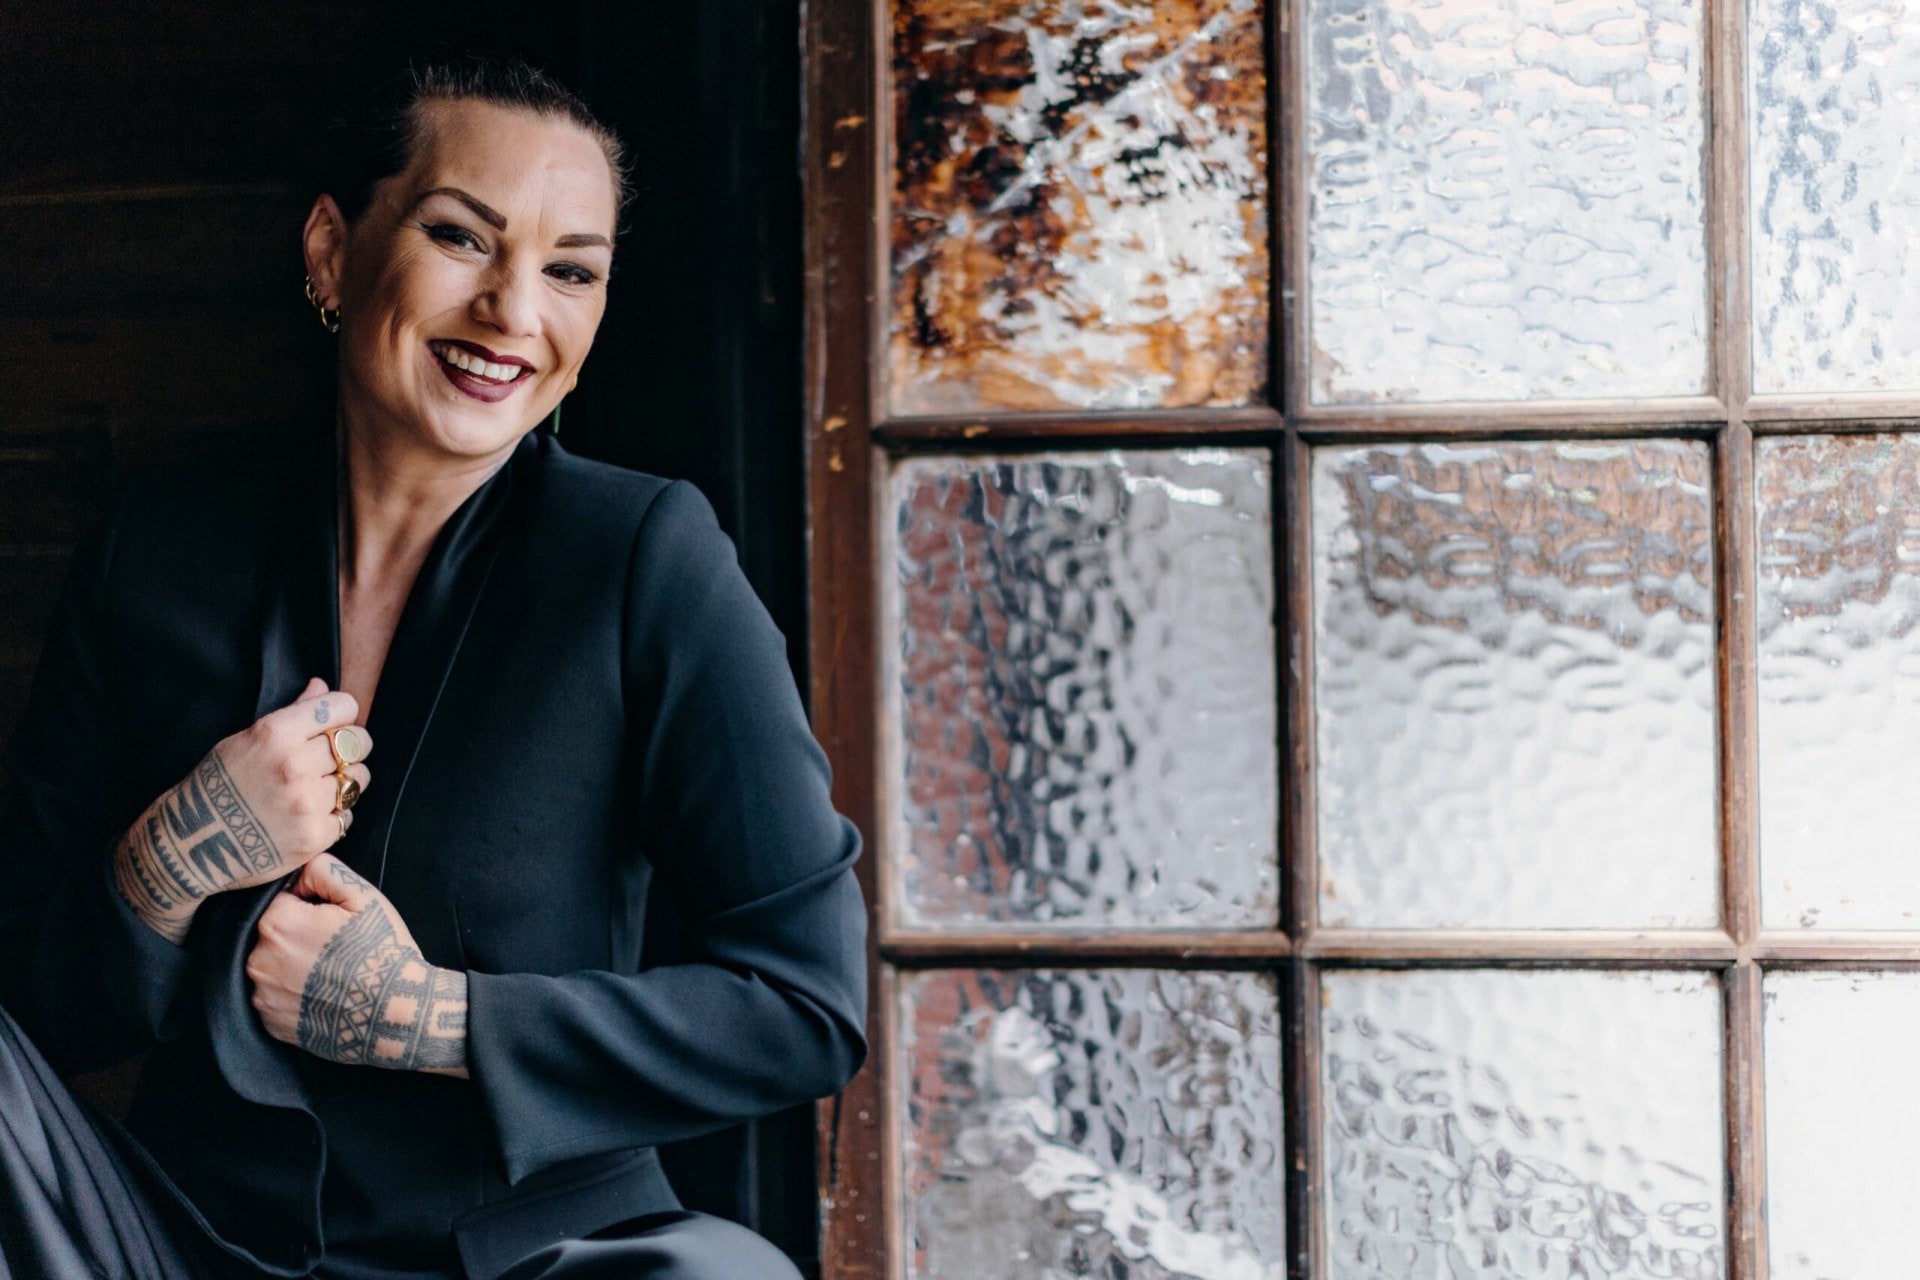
1079,215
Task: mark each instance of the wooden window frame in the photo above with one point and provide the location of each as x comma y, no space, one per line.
851,440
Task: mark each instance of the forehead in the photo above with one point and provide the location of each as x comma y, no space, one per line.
526,165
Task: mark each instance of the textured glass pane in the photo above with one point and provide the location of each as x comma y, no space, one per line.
1079,204
1085,690
1524,1126
1843,1166
1506,199
1839,638
1112,1123
1835,129
1515,684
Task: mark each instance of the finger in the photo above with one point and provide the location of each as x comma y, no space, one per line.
313,716
315,687
312,758
329,710
330,787
327,879
351,741
282,915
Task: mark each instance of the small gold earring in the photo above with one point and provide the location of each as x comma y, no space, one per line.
331,322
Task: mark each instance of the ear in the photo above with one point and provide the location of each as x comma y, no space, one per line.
324,241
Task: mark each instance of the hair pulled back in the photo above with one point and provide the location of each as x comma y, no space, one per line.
377,140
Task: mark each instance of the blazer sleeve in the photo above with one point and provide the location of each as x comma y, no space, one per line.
769,1006
89,982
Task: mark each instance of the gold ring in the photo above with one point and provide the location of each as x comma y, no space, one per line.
346,791
347,745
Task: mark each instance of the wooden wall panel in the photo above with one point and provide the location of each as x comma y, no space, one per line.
156,166
150,93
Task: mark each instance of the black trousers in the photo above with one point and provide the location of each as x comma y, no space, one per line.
73,1202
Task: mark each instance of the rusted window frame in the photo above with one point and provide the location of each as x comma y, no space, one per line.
850,441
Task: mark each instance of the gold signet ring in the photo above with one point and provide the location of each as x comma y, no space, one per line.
348,746
346,792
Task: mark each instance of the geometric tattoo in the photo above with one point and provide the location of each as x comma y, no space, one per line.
199,838
245,829
372,1000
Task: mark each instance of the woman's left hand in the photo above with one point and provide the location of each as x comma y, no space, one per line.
335,972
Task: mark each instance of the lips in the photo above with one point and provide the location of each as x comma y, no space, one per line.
478,372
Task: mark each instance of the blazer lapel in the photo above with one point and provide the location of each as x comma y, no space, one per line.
300,637
426,643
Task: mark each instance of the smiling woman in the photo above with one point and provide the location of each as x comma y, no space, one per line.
597,900
495,240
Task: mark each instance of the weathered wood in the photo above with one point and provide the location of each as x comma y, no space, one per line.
1816,949
1155,948
1171,424
114,368
1858,410
840,155
190,249
1677,948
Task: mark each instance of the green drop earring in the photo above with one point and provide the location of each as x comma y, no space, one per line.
553,419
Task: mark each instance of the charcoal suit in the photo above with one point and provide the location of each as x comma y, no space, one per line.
595,792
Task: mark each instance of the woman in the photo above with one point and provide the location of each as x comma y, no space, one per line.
595,898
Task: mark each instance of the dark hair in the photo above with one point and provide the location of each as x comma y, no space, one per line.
378,139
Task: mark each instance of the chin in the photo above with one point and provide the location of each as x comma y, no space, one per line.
477,440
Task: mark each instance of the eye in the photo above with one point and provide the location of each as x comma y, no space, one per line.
572,273
451,233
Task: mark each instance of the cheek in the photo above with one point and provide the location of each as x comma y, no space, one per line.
573,336
416,288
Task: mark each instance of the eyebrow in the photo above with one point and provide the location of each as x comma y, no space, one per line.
498,221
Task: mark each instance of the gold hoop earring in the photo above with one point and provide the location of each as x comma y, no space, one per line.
331,322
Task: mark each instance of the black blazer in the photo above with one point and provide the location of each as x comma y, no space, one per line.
595,790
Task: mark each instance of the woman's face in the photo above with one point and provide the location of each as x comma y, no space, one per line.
471,287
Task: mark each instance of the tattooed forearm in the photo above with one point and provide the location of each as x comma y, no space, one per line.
145,895
199,838
372,1000
245,829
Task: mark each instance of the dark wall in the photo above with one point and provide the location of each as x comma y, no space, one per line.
155,168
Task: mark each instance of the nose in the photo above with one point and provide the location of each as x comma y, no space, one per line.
507,301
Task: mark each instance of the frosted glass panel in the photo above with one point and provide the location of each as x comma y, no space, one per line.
1843,1166
1079,205
1506,199
1835,130
1526,1126
1106,1123
1515,685
1083,689
1839,639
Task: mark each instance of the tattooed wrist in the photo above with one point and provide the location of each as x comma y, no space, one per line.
372,1000
199,838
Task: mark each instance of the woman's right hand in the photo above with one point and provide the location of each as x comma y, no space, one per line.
261,804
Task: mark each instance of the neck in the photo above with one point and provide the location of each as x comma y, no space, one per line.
394,500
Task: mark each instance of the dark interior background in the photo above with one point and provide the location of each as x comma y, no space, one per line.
156,163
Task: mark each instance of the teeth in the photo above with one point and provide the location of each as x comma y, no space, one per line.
475,365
